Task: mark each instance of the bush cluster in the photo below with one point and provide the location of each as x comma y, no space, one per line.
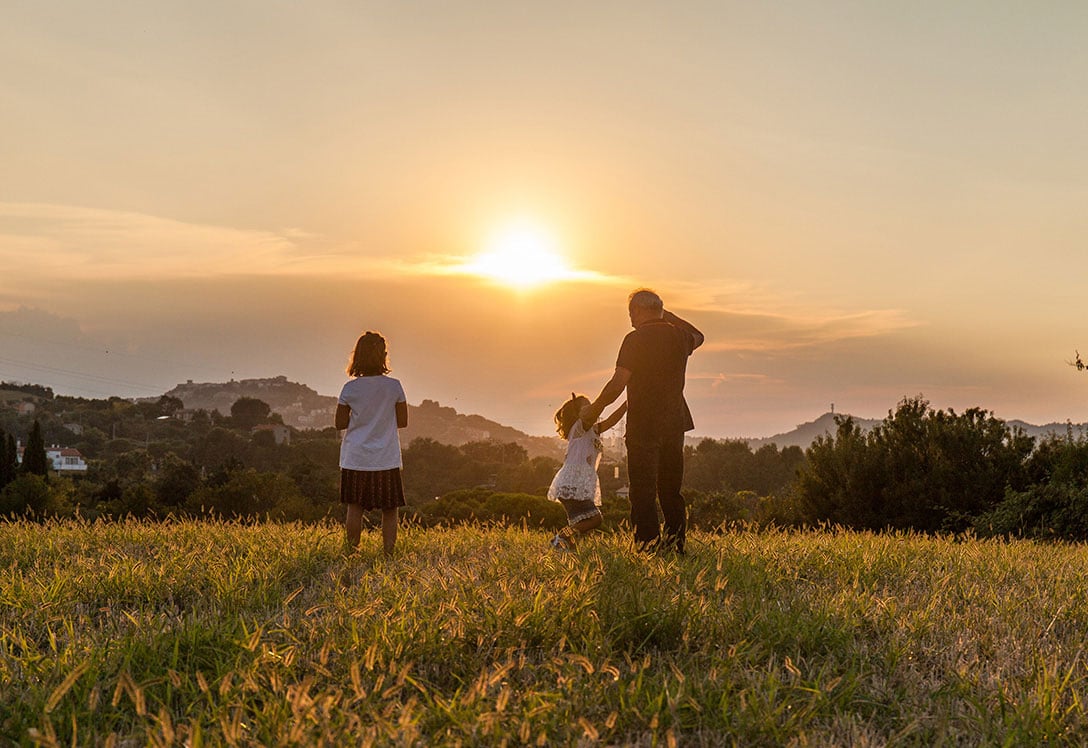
920,469
1054,504
939,471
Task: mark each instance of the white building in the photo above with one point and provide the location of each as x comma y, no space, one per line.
64,460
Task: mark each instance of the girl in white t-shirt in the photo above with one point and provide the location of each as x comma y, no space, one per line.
576,485
371,408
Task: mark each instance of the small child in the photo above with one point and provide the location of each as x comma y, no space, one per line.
576,485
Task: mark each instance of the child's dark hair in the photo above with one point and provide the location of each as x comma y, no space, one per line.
369,357
568,413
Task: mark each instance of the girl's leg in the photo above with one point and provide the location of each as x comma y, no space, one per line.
353,524
581,527
389,529
589,524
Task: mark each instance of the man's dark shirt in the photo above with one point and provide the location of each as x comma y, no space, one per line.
656,353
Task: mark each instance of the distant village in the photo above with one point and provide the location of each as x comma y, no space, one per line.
298,405
298,408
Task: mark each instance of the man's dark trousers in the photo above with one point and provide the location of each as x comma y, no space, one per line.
655,467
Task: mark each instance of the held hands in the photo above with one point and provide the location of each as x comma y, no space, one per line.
592,412
589,415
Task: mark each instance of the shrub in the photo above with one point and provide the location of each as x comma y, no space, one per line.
483,505
1055,505
920,469
731,465
248,493
28,493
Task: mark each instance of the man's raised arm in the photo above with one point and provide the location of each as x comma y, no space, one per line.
683,324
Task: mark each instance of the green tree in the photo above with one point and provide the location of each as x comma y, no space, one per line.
730,465
919,469
219,446
175,481
433,469
28,493
840,479
1055,503
494,452
169,405
35,461
9,461
248,412
531,476
247,493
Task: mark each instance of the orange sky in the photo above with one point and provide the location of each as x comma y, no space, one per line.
855,204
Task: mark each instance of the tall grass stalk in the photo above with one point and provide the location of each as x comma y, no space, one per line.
218,633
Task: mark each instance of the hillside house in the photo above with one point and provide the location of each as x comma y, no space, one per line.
64,460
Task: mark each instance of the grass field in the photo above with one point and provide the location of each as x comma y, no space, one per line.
198,633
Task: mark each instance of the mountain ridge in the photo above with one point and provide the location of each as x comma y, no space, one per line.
303,407
806,433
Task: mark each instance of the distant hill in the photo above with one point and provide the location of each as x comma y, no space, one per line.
299,405
302,407
444,424
806,433
1057,429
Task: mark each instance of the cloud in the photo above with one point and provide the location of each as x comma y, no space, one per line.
58,242
741,316
716,380
62,241
767,333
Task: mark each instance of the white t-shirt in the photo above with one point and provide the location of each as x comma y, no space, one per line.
371,441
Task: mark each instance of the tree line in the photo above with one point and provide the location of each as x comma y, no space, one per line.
919,469
144,462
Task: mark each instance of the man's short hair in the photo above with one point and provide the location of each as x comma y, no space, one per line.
644,298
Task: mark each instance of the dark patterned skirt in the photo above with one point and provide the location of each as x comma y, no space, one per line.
371,489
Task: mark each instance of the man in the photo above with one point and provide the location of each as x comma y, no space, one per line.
651,366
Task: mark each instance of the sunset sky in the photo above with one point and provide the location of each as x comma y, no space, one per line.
854,201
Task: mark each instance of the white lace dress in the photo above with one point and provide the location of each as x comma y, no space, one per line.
577,479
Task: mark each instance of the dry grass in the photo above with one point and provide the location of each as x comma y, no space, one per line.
198,633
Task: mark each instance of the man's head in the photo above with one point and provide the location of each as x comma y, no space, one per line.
644,305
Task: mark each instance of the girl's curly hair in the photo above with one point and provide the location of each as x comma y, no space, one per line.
568,413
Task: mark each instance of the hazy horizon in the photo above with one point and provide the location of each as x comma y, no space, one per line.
855,203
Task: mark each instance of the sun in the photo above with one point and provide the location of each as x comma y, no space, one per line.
521,254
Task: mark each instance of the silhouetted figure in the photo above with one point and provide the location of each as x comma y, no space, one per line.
651,366
371,407
576,485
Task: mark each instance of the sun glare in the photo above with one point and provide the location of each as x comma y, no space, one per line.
522,255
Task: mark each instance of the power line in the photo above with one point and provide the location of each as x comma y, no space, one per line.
76,374
67,345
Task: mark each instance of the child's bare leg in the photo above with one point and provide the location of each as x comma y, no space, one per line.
589,524
389,529
581,527
353,525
